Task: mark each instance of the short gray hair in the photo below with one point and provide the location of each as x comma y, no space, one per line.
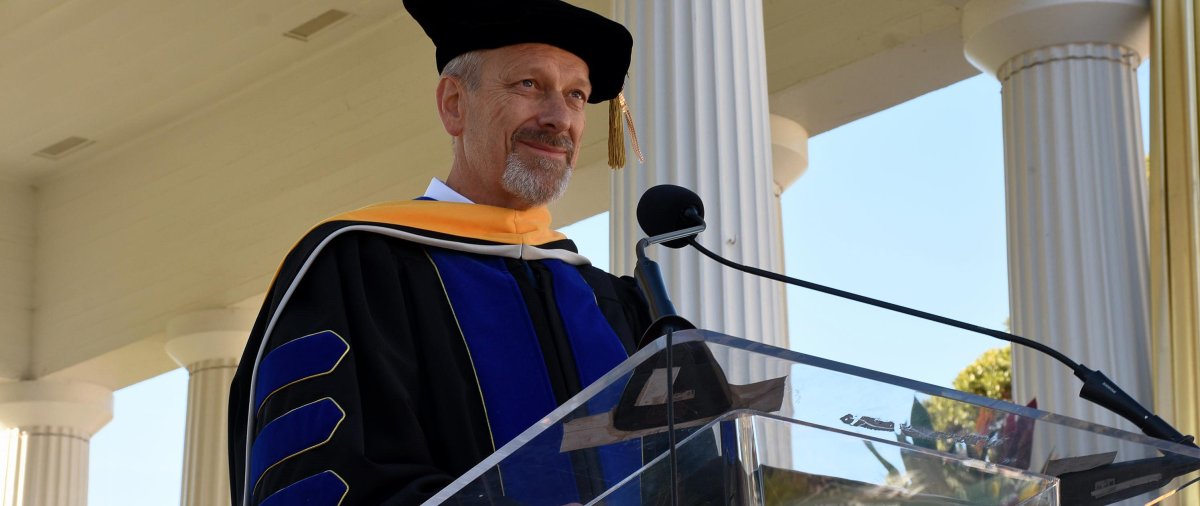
465,67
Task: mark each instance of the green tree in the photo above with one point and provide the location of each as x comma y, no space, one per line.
990,375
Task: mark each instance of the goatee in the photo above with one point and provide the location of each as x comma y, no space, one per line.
538,180
543,182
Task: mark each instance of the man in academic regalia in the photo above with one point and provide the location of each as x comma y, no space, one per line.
402,343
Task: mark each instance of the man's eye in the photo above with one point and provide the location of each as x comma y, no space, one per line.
578,95
527,83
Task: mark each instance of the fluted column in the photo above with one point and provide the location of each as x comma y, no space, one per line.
697,90
1075,185
48,454
208,344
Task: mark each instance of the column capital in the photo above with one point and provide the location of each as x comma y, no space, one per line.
789,151
995,31
83,407
206,335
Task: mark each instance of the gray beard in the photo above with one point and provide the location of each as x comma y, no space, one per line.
534,185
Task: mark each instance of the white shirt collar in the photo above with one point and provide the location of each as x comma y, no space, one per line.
438,190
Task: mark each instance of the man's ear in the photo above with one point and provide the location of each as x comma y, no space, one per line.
450,105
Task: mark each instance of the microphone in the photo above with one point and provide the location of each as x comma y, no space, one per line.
675,215
668,208
677,205
670,215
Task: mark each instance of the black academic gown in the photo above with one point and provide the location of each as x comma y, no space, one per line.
365,371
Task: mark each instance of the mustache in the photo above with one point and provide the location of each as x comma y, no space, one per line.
546,138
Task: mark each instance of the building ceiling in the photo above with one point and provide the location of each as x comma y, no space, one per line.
218,141
112,71
116,70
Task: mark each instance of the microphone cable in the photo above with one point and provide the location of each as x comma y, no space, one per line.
1097,387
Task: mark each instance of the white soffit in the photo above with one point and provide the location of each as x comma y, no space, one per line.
114,70
169,91
830,63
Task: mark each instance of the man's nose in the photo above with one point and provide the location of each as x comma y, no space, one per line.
555,114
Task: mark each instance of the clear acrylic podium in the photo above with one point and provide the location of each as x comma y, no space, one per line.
757,425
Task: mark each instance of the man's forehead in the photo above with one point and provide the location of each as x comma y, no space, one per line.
533,56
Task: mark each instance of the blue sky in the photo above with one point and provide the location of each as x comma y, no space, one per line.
906,205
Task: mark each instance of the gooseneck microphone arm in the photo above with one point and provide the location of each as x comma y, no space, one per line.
1097,387
666,322
650,280
649,276
640,249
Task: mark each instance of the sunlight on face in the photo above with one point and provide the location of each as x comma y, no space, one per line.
537,178
525,121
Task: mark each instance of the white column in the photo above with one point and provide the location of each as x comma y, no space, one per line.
789,152
48,454
208,344
10,454
698,93
697,90
1075,188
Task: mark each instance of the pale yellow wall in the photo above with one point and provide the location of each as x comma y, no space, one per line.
16,276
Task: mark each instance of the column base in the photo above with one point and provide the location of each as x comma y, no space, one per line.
48,454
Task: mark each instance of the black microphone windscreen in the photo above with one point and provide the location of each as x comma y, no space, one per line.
663,209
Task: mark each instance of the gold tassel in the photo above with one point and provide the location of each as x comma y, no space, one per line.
633,140
617,108
616,135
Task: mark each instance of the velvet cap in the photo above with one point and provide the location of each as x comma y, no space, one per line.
461,26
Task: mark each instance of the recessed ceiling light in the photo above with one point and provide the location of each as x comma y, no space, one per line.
64,147
314,25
